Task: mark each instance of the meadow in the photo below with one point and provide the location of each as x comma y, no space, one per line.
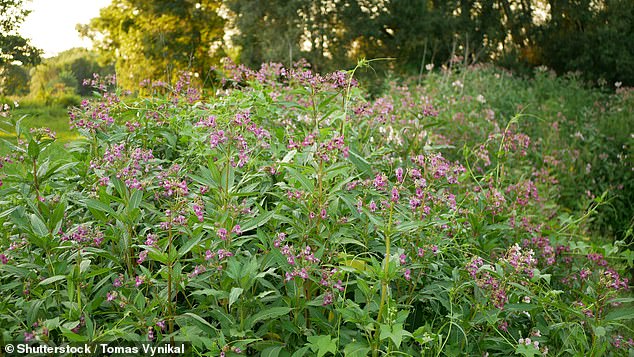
287,213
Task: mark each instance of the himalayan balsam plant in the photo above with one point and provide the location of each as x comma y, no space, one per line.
288,215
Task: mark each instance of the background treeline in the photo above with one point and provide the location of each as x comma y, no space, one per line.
156,39
57,80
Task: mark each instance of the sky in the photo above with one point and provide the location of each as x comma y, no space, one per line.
51,24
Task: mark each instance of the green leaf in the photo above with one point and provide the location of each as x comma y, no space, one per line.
120,187
307,184
33,149
52,279
135,200
359,162
234,295
267,314
599,331
226,320
322,344
8,212
625,313
155,255
394,332
228,178
273,351
56,219
527,350
84,265
356,349
38,225
257,221
300,352
33,310
189,244
99,206
200,322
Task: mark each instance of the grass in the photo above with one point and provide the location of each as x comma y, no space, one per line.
37,115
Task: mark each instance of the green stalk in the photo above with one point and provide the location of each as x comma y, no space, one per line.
384,279
170,307
78,280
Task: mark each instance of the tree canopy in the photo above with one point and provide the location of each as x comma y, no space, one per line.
156,39
15,50
153,39
13,47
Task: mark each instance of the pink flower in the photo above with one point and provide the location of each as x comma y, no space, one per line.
142,257
380,181
395,195
399,175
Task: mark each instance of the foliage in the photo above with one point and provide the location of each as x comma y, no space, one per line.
15,80
157,39
14,49
593,39
589,131
60,79
290,216
588,36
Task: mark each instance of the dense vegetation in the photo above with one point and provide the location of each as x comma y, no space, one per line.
156,39
288,213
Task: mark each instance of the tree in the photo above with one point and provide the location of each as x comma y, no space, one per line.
65,73
157,39
287,30
14,49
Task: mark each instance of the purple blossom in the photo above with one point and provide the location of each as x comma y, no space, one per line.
328,299
395,195
142,257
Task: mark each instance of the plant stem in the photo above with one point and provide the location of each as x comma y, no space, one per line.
384,278
170,308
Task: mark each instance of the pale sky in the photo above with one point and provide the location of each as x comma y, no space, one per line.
51,24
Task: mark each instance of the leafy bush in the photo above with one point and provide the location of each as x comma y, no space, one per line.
287,215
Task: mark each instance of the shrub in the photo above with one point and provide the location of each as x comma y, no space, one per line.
290,216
